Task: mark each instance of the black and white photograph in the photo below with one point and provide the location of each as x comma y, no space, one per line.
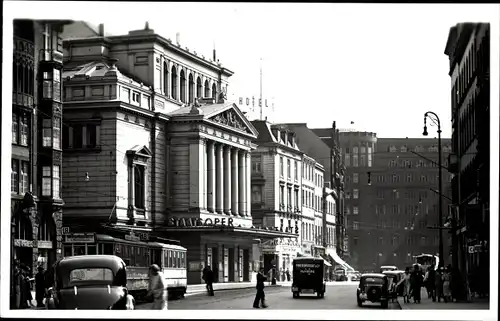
250,160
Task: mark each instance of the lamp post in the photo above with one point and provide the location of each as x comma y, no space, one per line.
440,188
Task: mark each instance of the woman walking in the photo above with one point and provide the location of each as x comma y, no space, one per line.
405,283
446,284
157,288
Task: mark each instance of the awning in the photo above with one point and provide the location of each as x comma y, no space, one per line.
326,261
338,260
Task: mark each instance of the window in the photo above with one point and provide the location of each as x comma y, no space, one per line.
347,160
47,133
24,128
14,176
281,166
288,169
355,178
409,240
369,157
56,131
395,178
355,240
393,149
57,84
423,240
355,194
81,136
380,194
25,177
347,210
394,241
404,149
15,136
419,148
296,169
46,181
56,179
256,194
392,163
355,151
282,195
289,197
136,97
347,195
362,160
409,178
355,160
355,210
296,198
355,225
256,167
125,95
139,199
380,240
47,85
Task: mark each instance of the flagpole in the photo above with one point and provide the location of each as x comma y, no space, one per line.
260,101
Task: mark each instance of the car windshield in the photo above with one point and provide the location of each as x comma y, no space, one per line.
89,276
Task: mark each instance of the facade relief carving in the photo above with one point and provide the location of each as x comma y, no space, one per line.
231,119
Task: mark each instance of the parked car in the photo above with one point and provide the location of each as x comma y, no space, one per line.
90,282
395,277
308,276
373,287
356,276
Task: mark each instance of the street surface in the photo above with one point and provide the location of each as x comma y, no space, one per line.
340,295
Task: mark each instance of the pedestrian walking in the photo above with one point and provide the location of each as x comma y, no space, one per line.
416,280
260,297
40,287
430,283
17,285
208,277
447,284
439,284
405,283
288,278
157,288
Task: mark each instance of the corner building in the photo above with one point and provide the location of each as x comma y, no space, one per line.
154,149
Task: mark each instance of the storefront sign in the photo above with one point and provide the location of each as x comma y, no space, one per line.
194,222
194,266
44,244
24,243
80,238
283,241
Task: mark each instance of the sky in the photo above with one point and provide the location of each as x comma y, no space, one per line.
381,66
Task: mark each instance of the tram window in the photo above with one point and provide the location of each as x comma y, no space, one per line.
178,259
183,260
174,259
169,259
118,250
79,249
91,250
156,258
107,249
67,251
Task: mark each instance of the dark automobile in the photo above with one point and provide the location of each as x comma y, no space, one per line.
96,282
373,287
395,277
308,276
340,275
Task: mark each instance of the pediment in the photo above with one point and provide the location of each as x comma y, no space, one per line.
235,119
140,151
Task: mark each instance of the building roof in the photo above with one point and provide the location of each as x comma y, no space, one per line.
208,110
264,129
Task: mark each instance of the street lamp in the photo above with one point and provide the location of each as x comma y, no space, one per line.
440,188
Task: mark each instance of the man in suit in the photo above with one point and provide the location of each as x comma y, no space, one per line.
260,297
208,276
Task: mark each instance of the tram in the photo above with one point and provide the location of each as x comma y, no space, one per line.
426,260
138,257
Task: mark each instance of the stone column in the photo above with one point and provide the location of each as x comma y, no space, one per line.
234,182
168,90
202,94
248,184
178,80
242,184
211,177
227,179
145,190
204,175
219,178
196,163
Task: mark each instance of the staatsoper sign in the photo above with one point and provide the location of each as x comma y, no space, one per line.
195,222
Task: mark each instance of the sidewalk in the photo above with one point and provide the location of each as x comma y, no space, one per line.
427,304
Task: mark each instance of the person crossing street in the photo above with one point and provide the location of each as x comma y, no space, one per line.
260,297
208,277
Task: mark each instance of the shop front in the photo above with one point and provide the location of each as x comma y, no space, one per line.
279,254
232,252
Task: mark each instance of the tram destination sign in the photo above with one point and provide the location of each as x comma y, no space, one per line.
80,238
196,222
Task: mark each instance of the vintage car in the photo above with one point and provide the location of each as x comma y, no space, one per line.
354,276
96,282
308,276
395,277
384,268
373,287
340,274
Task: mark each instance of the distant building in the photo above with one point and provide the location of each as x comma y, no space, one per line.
276,191
152,148
468,49
390,202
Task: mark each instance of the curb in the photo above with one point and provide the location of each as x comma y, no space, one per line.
229,289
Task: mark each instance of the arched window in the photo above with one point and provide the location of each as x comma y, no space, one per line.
214,91
183,86
173,83
198,88
207,89
165,79
191,88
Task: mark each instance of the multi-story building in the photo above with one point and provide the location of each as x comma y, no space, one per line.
276,190
322,160
392,201
468,49
152,148
36,200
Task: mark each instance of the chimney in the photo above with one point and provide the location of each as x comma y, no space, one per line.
101,30
178,38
